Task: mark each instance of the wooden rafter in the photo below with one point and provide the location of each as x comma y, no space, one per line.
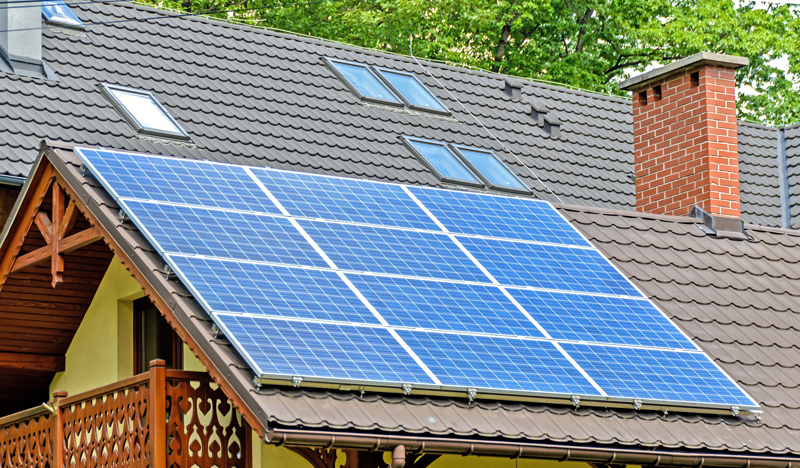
56,229
32,362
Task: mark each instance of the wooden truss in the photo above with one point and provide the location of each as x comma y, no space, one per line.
56,229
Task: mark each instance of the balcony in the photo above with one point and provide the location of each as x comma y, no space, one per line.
157,419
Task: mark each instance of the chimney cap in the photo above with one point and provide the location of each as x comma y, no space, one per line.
702,58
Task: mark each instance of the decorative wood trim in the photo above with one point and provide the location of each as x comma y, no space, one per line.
73,242
158,414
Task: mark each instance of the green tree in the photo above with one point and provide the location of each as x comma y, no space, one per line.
589,44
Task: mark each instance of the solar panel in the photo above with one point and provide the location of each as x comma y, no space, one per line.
225,234
580,317
496,362
549,267
393,251
498,216
172,180
443,305
322,350
256,289
656,374
335,198
375,284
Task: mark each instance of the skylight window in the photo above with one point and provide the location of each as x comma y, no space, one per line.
364,82
143,112
443,162
414,93
57,13
491,169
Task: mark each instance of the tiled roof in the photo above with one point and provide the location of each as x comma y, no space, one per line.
263,98
738,300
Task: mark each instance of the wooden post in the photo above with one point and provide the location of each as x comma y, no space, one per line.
58,431
158,413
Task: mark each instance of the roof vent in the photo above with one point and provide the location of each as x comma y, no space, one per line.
538,112
552,125
721,226
513,88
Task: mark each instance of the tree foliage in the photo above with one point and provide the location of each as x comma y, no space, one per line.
590,44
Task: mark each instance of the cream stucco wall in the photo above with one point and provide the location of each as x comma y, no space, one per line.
102,350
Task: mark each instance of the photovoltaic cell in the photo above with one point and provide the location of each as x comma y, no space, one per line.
496,362
444,306
323,350
599,319
224,234
548,266
247,288
392,251
656,374
497,216
339,199
174,180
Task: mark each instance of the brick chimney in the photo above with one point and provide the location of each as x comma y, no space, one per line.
684,136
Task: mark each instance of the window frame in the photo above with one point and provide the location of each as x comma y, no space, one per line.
408,141
61,24
443,111
108,91
329,62
457,149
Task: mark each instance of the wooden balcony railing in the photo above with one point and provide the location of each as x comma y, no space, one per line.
163,418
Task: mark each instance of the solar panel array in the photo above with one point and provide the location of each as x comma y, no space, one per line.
353,281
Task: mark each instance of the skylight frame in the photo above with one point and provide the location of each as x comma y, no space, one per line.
108,92
408,141
443,111
458,148
66,23
330,62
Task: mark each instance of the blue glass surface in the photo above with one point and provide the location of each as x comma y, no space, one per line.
175,180
444,306
411,89
364,81
498,216
393,251
497,363
56,11
599,319
656,374
323,350
247,288
492,169
548,266
341,199
445,162
224,234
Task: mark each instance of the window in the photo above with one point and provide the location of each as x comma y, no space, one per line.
491,169
153,338
443,162
364,82
414,93
143,112
57,13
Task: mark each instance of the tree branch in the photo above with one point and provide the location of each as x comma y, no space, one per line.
582,31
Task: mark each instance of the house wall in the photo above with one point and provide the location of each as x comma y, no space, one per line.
102,350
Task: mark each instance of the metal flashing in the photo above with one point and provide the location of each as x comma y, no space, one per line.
721,226
783,181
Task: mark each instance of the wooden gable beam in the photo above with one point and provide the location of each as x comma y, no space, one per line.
32,362
54,229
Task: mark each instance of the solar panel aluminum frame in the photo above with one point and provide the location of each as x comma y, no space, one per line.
329,62
107,90
489,184
408,104
407,140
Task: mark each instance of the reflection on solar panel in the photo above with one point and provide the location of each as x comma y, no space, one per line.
322,279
